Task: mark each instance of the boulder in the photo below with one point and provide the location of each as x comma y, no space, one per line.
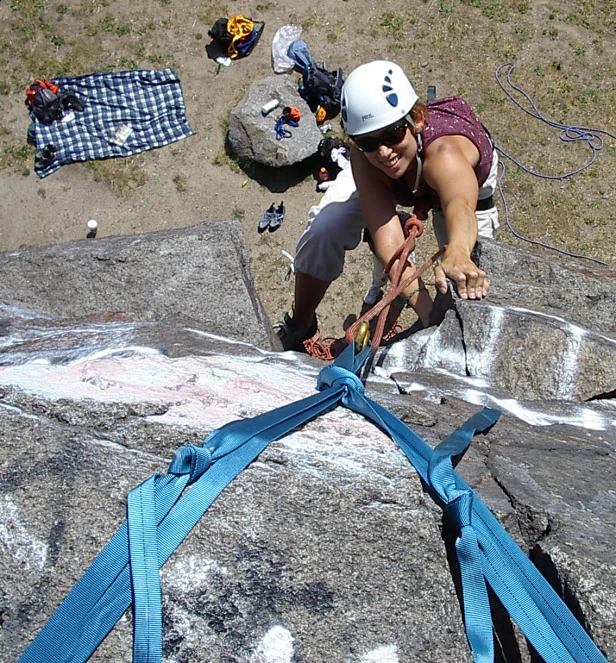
546,331
252,136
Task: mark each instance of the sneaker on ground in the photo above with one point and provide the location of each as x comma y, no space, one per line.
278,218
291,336
267,218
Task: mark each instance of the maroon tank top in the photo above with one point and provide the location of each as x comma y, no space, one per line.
452,116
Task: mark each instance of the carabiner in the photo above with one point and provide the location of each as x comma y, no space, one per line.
362,338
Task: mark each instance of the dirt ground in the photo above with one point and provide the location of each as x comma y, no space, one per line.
565,61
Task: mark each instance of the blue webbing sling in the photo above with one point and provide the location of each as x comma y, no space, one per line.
160,514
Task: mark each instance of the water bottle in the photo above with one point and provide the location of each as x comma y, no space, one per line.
269,106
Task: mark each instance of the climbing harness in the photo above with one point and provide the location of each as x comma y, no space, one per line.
162,511
291,116
568,133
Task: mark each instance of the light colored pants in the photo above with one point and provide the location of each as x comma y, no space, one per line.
336,224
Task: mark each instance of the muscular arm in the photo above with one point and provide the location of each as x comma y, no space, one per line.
379,211
448,169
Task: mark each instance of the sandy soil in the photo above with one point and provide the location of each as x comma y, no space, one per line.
453,45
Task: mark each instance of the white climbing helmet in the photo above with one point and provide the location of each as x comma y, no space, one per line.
374,96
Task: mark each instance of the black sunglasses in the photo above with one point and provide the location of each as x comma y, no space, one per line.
389,137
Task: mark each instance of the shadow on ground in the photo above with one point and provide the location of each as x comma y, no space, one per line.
277,180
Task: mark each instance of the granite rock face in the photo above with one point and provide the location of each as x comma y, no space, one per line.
327,548
546,331
197,274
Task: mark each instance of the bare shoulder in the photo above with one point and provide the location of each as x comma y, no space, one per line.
448,168
452,147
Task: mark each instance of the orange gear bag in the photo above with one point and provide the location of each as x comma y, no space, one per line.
39,84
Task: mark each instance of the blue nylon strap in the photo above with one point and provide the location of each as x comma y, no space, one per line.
458,504
530,600
104,593
160,516
143,553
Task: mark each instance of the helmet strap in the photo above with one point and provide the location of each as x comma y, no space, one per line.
411,124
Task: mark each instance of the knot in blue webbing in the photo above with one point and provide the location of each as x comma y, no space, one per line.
460,508
336,376
190,460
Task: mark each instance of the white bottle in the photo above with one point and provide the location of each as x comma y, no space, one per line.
92,227
269,106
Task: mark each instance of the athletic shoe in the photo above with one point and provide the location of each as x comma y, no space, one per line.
267,218
278,218
293,337
373,295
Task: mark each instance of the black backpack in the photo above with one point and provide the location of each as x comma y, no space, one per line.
221,35
325,152
321,87
44,101
237,36
48,103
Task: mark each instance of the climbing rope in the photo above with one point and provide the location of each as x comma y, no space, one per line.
413,229
330,347
326,349
568,133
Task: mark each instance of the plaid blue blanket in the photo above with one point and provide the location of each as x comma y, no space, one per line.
149,103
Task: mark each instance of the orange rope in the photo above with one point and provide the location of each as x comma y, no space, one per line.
412,229
329,348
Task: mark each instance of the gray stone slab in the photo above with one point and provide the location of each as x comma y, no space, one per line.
253,136
327,548
199,273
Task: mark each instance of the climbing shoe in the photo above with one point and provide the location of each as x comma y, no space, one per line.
278,218
268,217
44,157
291,336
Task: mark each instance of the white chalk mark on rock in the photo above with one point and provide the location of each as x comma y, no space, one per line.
16,541
385,654
276,646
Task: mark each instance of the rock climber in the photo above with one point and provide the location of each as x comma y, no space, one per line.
426,156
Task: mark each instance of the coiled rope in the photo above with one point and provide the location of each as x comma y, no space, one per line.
568,133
